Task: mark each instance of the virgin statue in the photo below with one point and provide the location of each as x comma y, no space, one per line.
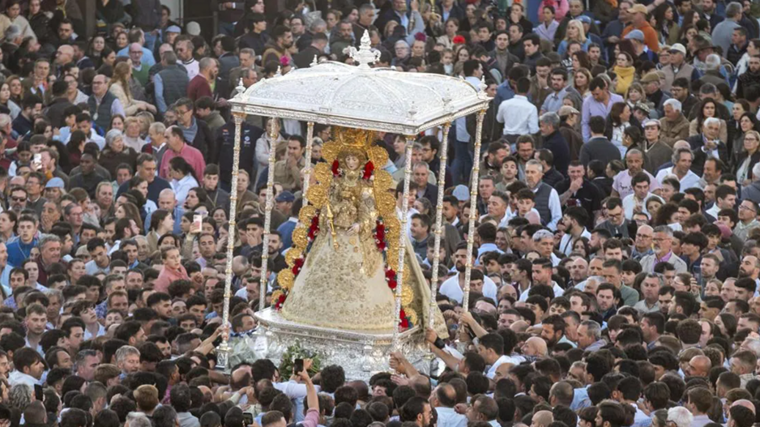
344,259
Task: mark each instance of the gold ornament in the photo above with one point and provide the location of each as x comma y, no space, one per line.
306,214
379,157
300,239
276,296
285,279
383,181
386,204
322,173
407,296
291,257
317,196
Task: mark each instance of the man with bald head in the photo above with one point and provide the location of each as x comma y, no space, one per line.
699,366
167,200
535,347
578,270
140,69
443,399
63,56
643,244
542,419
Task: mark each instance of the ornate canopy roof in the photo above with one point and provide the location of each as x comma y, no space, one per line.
379,99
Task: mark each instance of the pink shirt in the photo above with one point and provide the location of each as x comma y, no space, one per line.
190,153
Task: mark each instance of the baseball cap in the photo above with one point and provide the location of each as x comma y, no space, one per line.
650,77
567,110
285,196
55,183
461,193
584,19
652,122
173,29
635,35
678,47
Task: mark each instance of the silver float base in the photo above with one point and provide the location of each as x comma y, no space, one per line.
360,353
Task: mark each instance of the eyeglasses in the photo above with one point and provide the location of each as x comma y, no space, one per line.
18,199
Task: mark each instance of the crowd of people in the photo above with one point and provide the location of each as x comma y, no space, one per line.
616,276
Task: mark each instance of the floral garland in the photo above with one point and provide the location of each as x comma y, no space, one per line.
279,297
390,275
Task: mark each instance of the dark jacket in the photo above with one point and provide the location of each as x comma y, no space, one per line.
696,143
304,58
746,80
255,41
146,14
573,138
599,148
556,143
204,142
55,111
225,140
752,161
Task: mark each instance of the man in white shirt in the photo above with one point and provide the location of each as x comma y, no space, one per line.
28,367
725,198
542,275
681,169
452,287
443,399
574,220
520,116
637,201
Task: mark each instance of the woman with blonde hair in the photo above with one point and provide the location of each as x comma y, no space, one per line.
574,33
119,87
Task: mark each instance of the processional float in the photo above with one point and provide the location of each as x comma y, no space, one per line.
353,317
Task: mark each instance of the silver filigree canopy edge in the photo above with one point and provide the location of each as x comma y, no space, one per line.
378,99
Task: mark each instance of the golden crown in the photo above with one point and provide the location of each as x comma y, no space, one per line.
348,140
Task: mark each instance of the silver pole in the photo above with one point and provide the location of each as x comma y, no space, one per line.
307,161
275,130
224,349
402,238
473,211
438,222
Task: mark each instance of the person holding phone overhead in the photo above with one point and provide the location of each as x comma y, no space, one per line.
277,419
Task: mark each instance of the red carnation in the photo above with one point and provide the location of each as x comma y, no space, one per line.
404,320
298,262
315,221
336,168
381,245
296,269
458,40
390,274
312,233
368,169
392,284
380,233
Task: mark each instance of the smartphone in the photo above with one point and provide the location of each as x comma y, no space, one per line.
298,366
247,419
197,223
38,393
37,160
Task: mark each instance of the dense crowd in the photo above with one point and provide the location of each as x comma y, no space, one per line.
617,243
